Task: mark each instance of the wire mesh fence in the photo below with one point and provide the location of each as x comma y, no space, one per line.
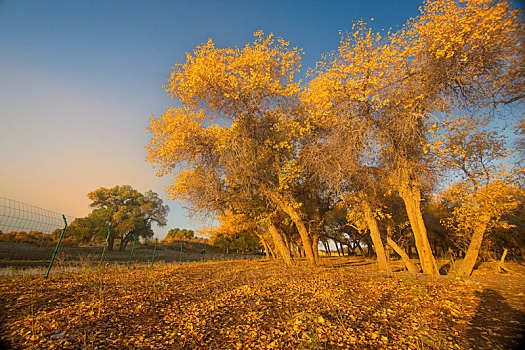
16,216
36,239
29,235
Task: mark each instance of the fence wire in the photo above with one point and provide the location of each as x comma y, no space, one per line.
18,216
28,241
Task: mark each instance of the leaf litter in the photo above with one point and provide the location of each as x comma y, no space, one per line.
256,305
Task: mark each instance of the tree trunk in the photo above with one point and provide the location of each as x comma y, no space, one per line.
288,244
299,224
303,232
111,242
301,249
272,253
467,265
265,245
266,250
411,196
369,249
315,245
279,245
337,248
122,245
326,247
502,260
358,246
376,238
404,256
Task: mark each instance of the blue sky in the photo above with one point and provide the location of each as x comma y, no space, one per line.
79,80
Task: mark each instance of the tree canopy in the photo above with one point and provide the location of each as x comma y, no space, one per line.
382,125
177,233
122,210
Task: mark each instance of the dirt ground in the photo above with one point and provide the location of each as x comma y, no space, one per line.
342,304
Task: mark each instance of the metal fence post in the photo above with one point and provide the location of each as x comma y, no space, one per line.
57,246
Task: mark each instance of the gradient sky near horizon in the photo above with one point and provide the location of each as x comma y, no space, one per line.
80,79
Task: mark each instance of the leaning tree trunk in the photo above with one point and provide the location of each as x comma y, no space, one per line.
266,250
301,249
411,196
266,246
337,248
315,245
284,252
272,253
467,265
404,256
327,251
287,244
303,232
299,224
358,246
376,238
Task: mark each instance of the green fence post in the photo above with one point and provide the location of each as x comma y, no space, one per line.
154,250
180,258
104,250
57,246
132,249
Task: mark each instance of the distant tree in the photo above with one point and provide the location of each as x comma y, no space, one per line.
128,212
33,237
236,232
82,230
177,233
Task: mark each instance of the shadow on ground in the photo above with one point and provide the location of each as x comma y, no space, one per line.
496,325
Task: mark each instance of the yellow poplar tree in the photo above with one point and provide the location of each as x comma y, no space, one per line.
235,134
455,55
472,149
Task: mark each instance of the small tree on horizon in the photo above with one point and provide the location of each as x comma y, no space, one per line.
180,233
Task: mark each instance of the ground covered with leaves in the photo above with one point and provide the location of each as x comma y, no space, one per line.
342,304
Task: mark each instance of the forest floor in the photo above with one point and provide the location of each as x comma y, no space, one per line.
342,304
